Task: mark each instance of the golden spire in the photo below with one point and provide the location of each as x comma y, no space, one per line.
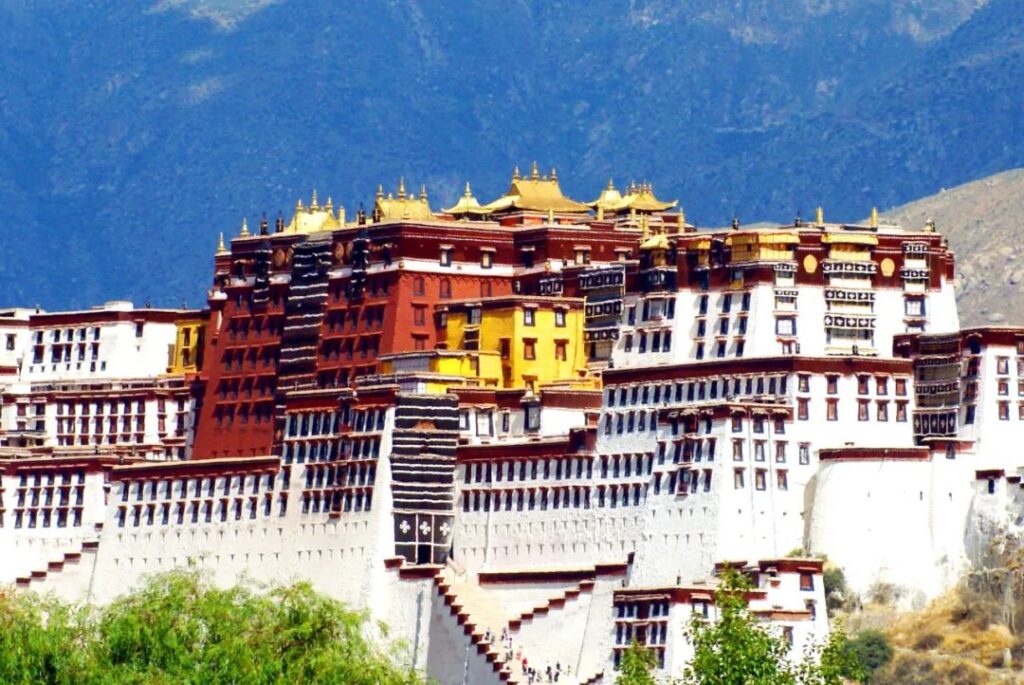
534,174
874,217
423,193
929,225
330,205
313,204
380,191
221,247
401,188
554,174
298,205
469,191
819,216
515,173
610,186
245,229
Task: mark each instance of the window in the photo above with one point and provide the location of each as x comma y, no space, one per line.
914,307
807,582
419,314
444,289
529,317
737,479
802,404
805,454
785,326
862,410
446,256
473,316
627,343
901,412
1003,387
1004,411
486,258
862,385
560,318
726,303
560,350
901,386
418,286
760,479
737,450
759,450
883,411
1002,365
832,410
529,349
484,425
832,384
780,453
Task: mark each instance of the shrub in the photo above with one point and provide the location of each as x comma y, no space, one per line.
871,649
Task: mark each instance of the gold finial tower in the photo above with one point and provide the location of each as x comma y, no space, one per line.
244,233
874,217
819,216
221,247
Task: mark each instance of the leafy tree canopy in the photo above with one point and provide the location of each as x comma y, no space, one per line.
178,628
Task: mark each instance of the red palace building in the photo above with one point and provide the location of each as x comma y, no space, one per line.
299,311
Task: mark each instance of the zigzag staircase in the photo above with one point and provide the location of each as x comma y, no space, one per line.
49,578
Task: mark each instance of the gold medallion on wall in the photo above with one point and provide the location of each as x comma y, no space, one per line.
888,267
810,264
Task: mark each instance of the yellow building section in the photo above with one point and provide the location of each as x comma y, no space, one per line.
187,351
539,340
439,369
763,246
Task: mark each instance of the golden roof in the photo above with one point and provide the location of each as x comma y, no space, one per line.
467,204
536,193
638,197
402,206
315,218
655,242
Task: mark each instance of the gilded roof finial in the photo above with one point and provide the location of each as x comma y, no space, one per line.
221,247
554,174
401,188
313,204
245,229
330,205
551,216
930,225
611,185
874,217
264,227
380,191
534,173
423,193
515,173
469,191
819,216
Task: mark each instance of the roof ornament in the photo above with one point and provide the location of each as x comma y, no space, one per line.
534,173
551,216
929,225
330,205
245,229
468,192
401,188
298,205
610,186
874,217
735,223
515,173
554,174
221,248
380,191
263,224
819,217
423,193
313,206
279,223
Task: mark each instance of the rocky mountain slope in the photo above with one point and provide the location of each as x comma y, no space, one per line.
982,221
132,133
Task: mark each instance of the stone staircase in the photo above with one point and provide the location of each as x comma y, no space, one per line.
476,615
67,575
483,614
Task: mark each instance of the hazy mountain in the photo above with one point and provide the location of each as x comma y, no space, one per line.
132,133
981,220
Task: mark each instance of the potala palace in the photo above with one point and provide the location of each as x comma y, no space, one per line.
527,429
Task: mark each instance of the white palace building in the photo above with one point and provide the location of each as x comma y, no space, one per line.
525,431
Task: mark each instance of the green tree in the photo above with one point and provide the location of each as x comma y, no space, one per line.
178,628
871,650
636,666
736,649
